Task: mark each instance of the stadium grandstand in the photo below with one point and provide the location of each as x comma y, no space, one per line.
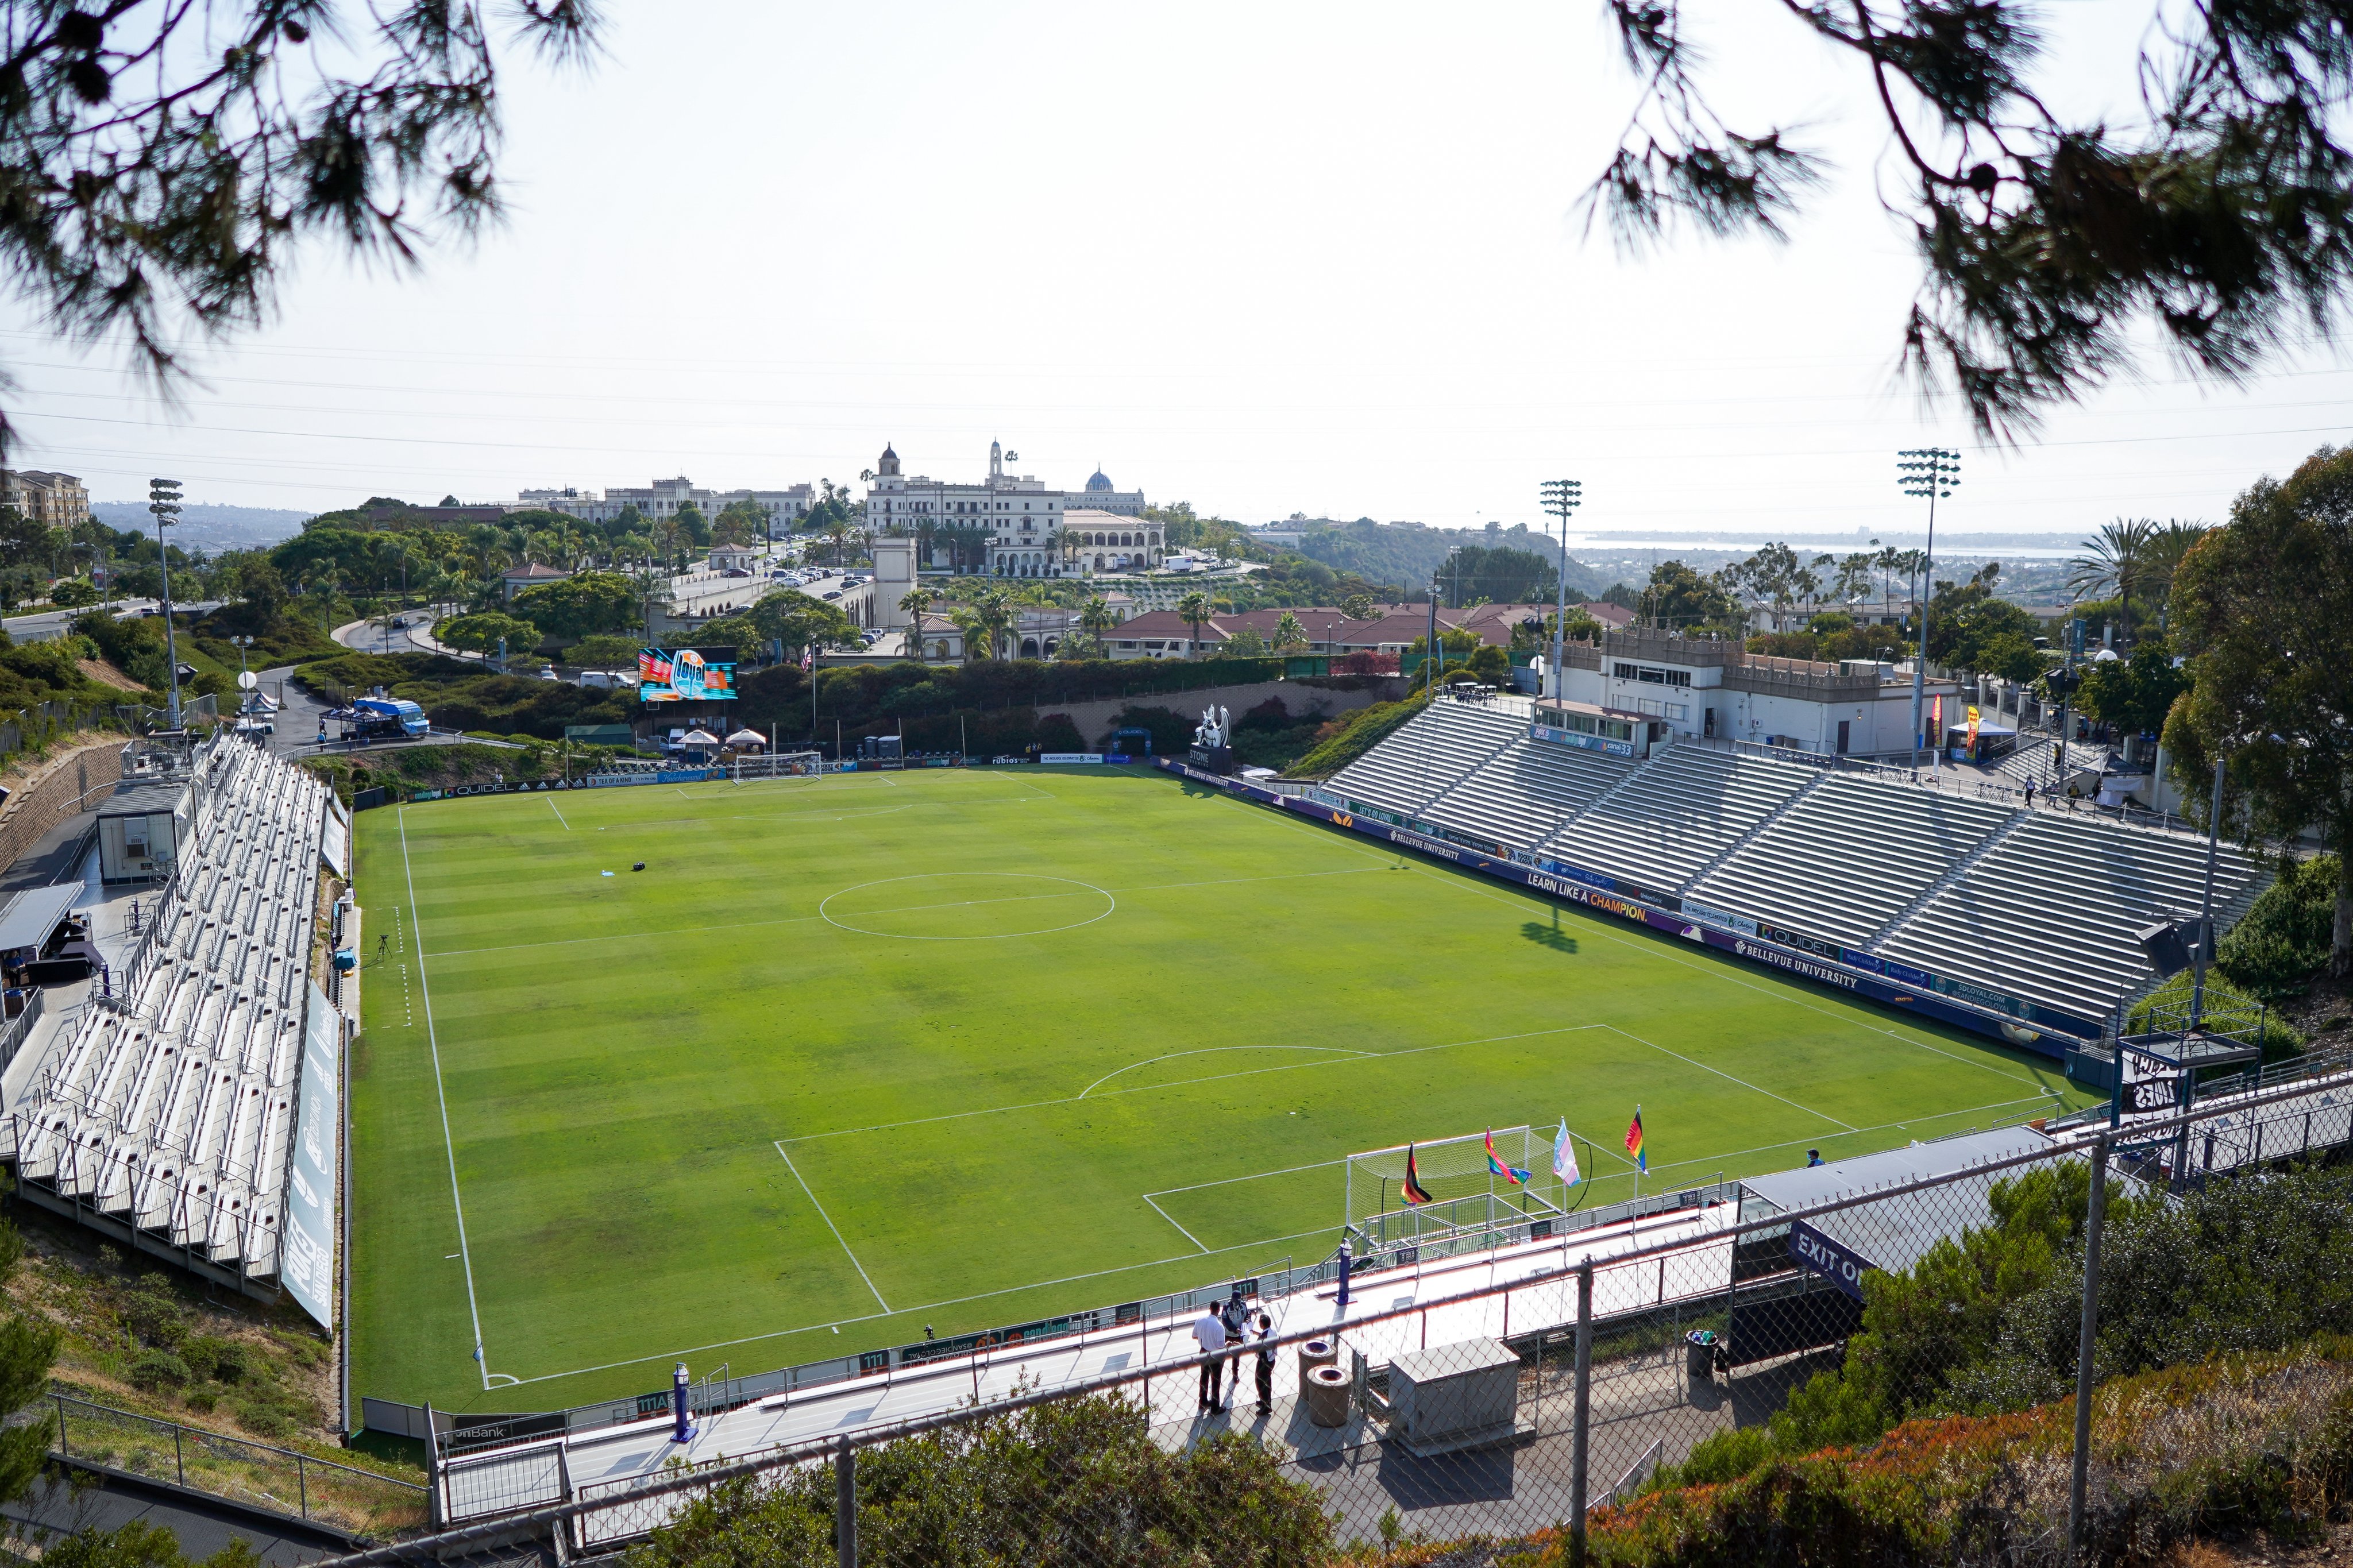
160,1107
1853,864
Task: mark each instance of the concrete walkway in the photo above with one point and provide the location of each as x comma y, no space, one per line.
1391,1313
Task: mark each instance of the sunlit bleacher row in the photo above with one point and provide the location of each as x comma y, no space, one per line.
170,1105
2037,905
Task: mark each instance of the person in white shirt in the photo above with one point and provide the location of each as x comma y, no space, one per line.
1209,1332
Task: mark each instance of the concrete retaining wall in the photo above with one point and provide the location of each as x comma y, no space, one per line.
59,789
1097,719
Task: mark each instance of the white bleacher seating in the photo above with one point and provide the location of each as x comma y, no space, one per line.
1427,756
172,1107
2035,905
2050,913
1848,857
1673,817
1528,792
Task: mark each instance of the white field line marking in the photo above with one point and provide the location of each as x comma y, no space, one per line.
1722,970
1729,1078
1186,1083
822,814
795,1170
1212,1051
433,1043
559,815
927,1306
1705,1160
1181,1229
904,909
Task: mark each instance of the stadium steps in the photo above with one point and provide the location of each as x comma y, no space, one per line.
1960,868
1429,754
1761,831
2049,912
1842,859
1526,793
1677,814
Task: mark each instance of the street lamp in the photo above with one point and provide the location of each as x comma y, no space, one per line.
163,500
1560,499
1930,472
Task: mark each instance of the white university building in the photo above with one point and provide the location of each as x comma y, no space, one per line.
1033,531
662,499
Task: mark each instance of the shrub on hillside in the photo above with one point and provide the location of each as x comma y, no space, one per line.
2283,937
1351,735
1074,1482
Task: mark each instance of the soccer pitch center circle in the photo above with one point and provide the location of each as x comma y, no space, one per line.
968,906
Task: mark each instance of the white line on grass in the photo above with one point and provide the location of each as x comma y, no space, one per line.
1212,1051
559,815
456,1203
929,1306
795,1170
1729,1078
1181,1229
1186,1083
900,909
1722,970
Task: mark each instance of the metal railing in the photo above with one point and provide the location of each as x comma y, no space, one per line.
284,1480
1484,1408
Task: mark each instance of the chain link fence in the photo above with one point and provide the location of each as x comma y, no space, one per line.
2015,1347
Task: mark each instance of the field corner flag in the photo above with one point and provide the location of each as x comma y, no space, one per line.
1634,1142
1415,1194
1511,1173
1564,1156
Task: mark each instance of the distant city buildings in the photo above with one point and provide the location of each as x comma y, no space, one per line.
53,500
662,499
1028,530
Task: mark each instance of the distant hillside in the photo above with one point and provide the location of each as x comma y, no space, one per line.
210,528
1406,554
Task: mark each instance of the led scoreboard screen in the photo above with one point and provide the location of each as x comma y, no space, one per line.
685,674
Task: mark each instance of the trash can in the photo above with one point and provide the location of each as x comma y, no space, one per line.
1314,1353
1327,1395
1699,1356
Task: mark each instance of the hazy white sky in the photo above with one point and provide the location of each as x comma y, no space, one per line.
1314,257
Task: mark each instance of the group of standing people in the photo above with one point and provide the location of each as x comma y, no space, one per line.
1228,1323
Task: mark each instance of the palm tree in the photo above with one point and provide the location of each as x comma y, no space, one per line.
2167,546
1194,608
917,602
2118,559
1095,619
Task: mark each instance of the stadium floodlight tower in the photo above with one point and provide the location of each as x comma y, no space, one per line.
1560,499
163,500
1931,472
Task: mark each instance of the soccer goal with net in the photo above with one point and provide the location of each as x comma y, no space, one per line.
783,766
1465,1194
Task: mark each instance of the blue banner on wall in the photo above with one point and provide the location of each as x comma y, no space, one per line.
1842,1267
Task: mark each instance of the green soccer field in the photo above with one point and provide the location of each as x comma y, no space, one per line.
859,1055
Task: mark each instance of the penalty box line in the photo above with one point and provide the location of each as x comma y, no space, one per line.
779,1145
923,1306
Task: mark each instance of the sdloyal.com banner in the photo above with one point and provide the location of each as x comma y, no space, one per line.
1926,999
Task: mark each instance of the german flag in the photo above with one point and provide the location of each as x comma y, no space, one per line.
1415,1194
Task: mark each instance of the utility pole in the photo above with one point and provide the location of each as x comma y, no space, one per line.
1932,472
163,500
1560,499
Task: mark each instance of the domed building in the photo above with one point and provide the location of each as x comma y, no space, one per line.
1009,525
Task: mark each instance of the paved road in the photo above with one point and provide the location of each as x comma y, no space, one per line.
46,625
373,636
